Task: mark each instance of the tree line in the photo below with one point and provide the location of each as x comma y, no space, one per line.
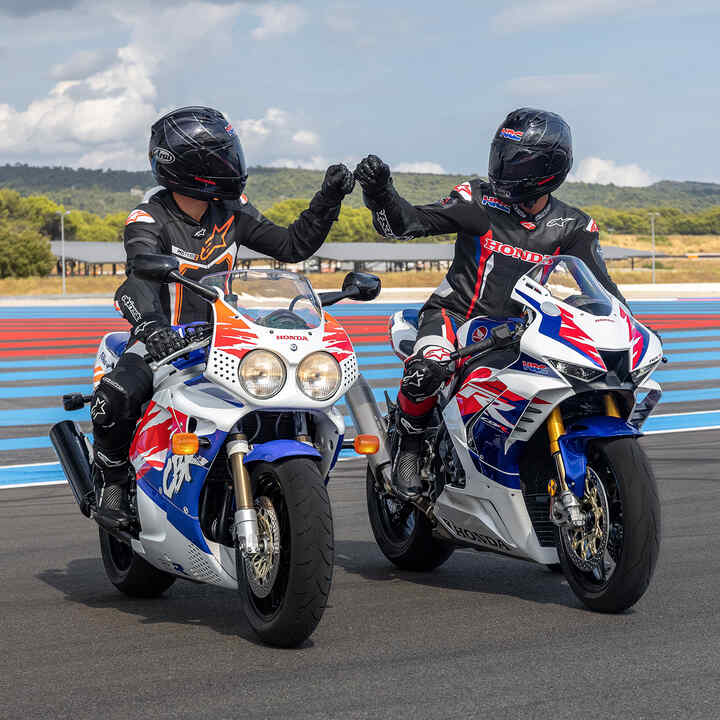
27,223
107,191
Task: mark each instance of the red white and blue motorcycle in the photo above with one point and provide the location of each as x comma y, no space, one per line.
534,451
232,454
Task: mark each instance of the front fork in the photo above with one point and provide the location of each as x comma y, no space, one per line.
564,505
246,525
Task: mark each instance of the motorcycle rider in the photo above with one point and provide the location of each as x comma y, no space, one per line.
200,215
503,226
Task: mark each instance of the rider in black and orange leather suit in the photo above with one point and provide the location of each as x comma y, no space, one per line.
201,216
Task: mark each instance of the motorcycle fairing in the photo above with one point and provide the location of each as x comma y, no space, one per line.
479,328
279,449
562,328
639,339
573,445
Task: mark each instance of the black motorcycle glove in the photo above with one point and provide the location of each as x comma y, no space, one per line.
338,183
161,341
373,174
423,377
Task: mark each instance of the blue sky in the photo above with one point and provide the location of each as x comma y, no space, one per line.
422,84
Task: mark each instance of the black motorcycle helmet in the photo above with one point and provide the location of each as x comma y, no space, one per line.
530,155
194,151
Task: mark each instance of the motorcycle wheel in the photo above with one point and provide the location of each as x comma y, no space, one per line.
402,532
633,529
128,572
286,598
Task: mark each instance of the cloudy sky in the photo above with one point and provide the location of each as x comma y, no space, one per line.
423,84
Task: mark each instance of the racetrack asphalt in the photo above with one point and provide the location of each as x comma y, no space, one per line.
483,636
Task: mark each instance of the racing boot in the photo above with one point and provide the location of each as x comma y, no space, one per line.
407,457
111,479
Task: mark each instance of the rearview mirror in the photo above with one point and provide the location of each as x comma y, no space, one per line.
154,267
361,286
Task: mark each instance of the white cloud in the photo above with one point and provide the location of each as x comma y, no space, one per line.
305,137
529,14
605,172
278,19
316,162
431,168
81,64
100,117
548,84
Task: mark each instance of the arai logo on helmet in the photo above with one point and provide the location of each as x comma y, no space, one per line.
510,134
163,156
479,334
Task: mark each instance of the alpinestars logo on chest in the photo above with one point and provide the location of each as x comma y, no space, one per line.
560,222
216,240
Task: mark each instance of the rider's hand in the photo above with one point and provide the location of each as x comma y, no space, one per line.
373,174
162,341
423,377
338,182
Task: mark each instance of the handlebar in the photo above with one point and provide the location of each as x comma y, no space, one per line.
500,336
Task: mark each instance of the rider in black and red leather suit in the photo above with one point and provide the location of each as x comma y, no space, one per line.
503,228
201,216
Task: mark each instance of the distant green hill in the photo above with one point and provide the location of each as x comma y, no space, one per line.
105,191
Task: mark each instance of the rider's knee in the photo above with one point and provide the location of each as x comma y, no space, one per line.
121,393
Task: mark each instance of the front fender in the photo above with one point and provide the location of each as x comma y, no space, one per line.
279,450
573,445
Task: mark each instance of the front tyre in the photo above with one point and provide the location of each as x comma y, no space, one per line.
623,528
287,585
128,572
402,532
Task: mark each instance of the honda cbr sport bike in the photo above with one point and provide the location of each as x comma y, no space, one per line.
534,450
232,455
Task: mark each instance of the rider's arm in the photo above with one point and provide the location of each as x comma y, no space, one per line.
296,242
302,238
139,300
585,244
394,216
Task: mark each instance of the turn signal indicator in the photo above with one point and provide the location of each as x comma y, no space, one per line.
185,444
366,444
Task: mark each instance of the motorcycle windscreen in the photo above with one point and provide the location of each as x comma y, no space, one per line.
275,299
569,280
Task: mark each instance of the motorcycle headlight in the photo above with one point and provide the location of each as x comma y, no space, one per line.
319,376
578,372
262,374
638,375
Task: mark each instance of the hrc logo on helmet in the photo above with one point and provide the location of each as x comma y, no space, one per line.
510,134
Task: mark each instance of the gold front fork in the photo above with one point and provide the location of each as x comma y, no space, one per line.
556,428
246,528
611,408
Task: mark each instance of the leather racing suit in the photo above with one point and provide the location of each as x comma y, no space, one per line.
201,247
496,244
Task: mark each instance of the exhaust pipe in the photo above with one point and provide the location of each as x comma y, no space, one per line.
72,451
368,419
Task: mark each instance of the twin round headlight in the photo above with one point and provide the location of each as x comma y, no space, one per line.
262,375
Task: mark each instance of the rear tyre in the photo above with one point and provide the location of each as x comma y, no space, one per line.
633,529
402,532
128,572
286,598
